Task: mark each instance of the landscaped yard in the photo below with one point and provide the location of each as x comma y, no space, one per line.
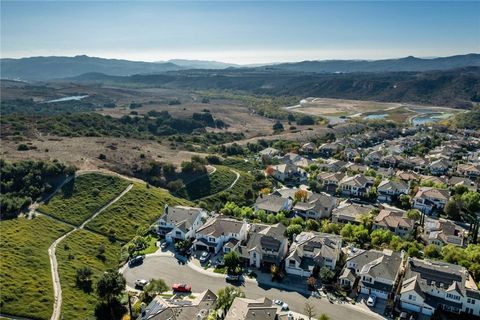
208,185
141,206
81,197
25,277
83,249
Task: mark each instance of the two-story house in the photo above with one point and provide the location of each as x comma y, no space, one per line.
376,271
218,232
312,250
330,180
179,222
390,190
429,199
348,212
433,285
264,246
439,167
470,170
273,203
357,185
394,220
441,232
316,206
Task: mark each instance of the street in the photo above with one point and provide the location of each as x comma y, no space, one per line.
168,268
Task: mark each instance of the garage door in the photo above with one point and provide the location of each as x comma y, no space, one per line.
200,247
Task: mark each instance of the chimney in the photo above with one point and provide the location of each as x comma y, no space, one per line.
144,312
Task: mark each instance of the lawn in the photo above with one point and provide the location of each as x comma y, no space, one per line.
141,206
83,248
25,277
208,185
81,197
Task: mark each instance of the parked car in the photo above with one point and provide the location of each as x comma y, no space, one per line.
141,283
164,245
135,261
204,257
232,277
371,301
282,304
181,287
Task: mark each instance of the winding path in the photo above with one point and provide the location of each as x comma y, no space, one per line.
57,289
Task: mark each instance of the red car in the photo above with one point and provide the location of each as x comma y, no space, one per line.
182,287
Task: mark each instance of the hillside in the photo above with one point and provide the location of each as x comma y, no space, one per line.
43,68
456,87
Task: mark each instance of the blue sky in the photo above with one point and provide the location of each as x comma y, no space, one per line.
241,31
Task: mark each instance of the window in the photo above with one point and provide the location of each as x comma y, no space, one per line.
412,297
254,254
471,301
291,262
452,296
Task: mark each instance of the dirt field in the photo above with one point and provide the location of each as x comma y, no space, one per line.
83,152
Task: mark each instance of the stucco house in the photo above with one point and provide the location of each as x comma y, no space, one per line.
220,232
179,222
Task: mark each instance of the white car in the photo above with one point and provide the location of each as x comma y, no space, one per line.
140,283
204,257
282,304
371,301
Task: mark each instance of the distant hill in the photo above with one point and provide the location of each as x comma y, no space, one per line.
46,68
389,65
202,64
456,87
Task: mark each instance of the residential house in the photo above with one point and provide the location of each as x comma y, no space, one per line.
311,251
268,153
179,222
350,212
428,199
288,172
198,308
249,309
470,170
350,154
407,176
418,164
357,185
394,220
330,181
433,285
308,148
439,167
376,271
391,161
374,158
220,232
332,165
316,206
390,190
264,246
329,149
273,203
442,232
462,181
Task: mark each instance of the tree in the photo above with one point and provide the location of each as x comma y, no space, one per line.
414,214
323,316
301,195
110,285
404,201
232,262
83,278
381,237
311,282
311,225
293,229
326,275
309,310
452,210
432,251
155,287
347,232
274,271
471,201
277,127
226,296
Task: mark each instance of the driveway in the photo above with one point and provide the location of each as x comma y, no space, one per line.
172,271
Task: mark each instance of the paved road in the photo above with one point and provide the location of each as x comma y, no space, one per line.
57,288
168,269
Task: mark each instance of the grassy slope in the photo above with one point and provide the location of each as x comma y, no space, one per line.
81,197
25,278
218,200
77,250
207,185
139,207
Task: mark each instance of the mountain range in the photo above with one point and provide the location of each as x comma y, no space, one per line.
48,68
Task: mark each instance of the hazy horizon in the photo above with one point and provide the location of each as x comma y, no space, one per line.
239,32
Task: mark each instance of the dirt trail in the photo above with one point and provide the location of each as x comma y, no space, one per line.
57,288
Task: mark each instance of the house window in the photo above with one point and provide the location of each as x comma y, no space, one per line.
291,263
452,296
412,297
471,301
254,254
211,239
178,233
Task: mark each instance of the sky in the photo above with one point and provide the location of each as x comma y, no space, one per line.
239,31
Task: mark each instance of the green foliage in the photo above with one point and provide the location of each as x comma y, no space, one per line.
381,237
25,277
452,210
208,184
277,127
326,275
83,249
232,262
305,120
83,278
414,214
293,229
82,196
136,208
24,181
468,257
432,251
29,107
226,296
156,286
469,119
471,201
